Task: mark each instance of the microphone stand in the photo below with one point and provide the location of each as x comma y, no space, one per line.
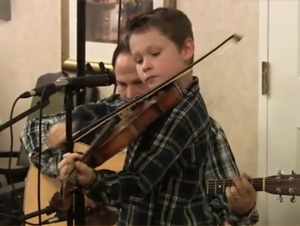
76,213
76,210
69,142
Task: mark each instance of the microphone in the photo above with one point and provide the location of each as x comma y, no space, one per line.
103,79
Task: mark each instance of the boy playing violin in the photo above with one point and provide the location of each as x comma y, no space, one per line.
163,181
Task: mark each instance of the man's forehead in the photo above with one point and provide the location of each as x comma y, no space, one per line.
125,64
128,80
124,56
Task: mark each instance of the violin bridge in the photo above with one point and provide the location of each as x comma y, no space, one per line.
125,113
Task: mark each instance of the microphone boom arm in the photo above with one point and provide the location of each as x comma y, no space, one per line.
24,114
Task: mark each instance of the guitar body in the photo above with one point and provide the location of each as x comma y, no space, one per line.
276,184
49,186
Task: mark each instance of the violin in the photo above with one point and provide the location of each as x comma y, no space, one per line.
118,132
122,127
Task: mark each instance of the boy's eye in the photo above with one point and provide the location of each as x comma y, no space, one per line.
155,53
138,61
138,58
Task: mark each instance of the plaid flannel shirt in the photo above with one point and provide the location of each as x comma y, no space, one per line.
163,178
82,115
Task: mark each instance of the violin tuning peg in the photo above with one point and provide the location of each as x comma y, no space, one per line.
280,199
293,199
293,172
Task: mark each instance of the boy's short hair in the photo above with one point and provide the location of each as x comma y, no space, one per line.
172,23
121,48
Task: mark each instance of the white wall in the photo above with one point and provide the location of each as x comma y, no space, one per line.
29,47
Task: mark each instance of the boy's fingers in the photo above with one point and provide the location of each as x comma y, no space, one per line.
64,171
73,155
81,167
85,173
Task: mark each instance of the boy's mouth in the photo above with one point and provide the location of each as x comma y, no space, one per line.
151,80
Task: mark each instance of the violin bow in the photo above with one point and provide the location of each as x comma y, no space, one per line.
123,110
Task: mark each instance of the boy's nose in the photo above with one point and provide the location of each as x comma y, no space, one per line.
147,65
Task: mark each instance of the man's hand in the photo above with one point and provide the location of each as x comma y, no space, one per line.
85,174
241,197
57,135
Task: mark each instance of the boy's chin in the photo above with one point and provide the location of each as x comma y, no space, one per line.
155,82
154,85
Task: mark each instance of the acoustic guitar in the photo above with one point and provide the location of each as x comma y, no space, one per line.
277,184
49,186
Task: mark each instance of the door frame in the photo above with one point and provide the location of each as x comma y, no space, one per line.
263,107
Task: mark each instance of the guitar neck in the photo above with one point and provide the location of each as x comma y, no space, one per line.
219,186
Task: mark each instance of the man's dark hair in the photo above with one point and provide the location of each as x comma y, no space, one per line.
121,48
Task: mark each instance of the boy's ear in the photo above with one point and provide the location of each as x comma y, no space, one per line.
188,49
